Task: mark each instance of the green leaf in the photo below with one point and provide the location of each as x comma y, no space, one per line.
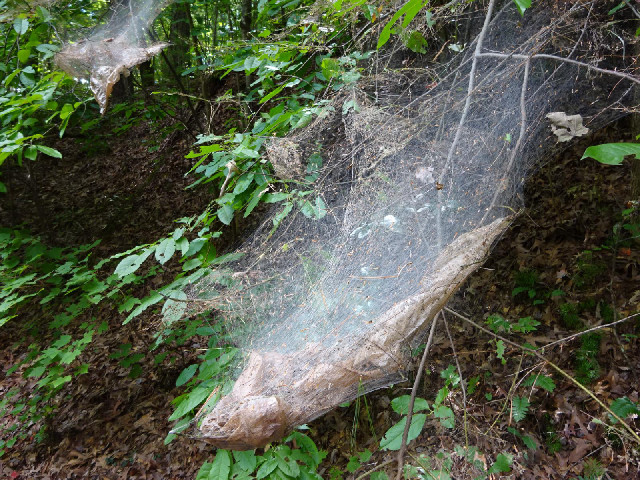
445,415
616,8
623,407
500,349
165,250
246,460
276,197
542,381
416,42
152,299
175,306
330,68
353,464
52,152
243,183
522,5
497,323
612,153
401,404
183,245
502,464
266,468
225,214
272,94
186,374
380,476
23,55
277,220
21,25
393,438
519,408
221,466
191,401
409,10
128,265
525,325
255,198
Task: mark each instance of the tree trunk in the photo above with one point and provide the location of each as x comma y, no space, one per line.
179,36
123,89
635,131
246,18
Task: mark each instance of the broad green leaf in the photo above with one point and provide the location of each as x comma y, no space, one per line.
502,464
221,466
246,460
31,152
500,349
393,438
612,153
175,306
445,415
519,408
271,94
129,265
21,25
416,42
379,476
152,299
255,198
401,404
522,5
192,400
525,325
542,381
52,152
23,55
277,220
330,68
183,245
623,407
165,250
266,468
225,214
276,197
243,183
409,10
186,374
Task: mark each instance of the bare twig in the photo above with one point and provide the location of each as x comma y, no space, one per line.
519,56
633,9
599,327
523,130
463,117
414,391
634,434
374,469
462,386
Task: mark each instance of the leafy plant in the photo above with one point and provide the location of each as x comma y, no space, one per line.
586,361
280,461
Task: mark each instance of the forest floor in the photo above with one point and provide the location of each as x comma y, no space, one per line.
562,250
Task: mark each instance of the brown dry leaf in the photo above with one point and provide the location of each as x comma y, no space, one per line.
581,449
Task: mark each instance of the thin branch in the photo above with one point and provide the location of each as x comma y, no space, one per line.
523,131
635,435
463,118
374,469
464,389
519,56
599,327
633,9
414,391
